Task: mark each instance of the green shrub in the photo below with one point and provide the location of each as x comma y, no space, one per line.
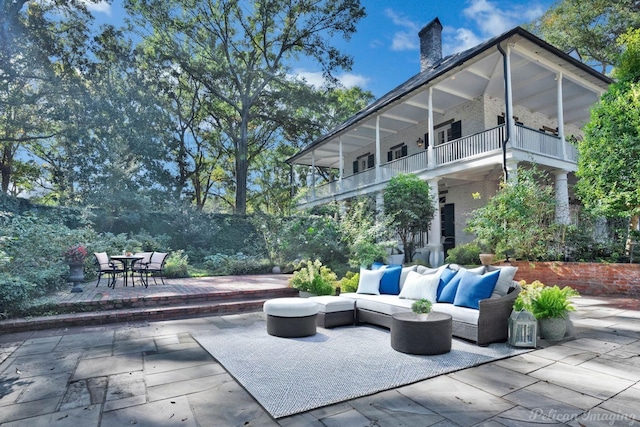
238,264
464,254
349,283
176,265
315,278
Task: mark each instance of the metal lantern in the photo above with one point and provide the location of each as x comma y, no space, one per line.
523,329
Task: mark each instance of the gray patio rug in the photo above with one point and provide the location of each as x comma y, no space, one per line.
287,376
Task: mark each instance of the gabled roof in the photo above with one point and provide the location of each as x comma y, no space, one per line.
538,50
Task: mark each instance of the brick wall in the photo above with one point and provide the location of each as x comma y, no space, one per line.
586,278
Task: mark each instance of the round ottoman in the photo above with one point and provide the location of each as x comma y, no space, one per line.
291,317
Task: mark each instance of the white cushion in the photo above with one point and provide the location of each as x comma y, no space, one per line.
418,286
459,314
504,280
405,273
332,304
385,304
290,307
369,282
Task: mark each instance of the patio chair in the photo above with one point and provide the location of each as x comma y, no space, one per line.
156,265
140,266
107,267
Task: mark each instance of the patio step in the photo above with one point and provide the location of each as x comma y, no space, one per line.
148,308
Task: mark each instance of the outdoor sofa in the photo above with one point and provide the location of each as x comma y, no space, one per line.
479,300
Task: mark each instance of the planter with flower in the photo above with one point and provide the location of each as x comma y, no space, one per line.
550,305
75,256
313,278
422,308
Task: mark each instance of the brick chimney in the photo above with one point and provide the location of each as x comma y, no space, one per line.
430,44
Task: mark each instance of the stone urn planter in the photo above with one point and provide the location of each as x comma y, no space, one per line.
553,328
76,275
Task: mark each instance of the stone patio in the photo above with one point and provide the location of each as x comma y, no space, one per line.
155,374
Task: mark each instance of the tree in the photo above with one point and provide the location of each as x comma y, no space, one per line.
591,27
520,217
409,205
608,163
241,52
38,42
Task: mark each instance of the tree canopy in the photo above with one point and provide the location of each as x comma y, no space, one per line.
241,53
592,27
608,162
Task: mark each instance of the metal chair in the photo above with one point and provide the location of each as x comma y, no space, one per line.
140,266
156,265
107,267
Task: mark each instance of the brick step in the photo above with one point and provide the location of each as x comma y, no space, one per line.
115,303
166,308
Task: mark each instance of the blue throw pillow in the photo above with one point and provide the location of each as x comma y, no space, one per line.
445,277
448,291
390,282
473,288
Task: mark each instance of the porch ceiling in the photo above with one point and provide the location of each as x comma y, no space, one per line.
534,71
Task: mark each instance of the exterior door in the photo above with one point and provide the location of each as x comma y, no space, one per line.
447,220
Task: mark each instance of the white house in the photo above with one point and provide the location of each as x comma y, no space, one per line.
462,124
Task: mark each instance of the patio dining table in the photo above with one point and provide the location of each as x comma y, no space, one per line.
128,261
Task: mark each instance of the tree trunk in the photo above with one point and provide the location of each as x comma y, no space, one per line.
242,163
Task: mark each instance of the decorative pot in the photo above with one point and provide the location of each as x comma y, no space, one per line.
397,259
422,316
76,275
553,328
487,259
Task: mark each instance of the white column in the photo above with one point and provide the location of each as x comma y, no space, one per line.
562,198
378,177
436,250
509,100
429,142
313,174
512,170
340,165
561,115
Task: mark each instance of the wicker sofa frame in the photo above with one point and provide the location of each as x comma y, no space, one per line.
492,320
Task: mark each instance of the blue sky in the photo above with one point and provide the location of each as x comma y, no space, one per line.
385,47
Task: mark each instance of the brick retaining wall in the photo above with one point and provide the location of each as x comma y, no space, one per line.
586,278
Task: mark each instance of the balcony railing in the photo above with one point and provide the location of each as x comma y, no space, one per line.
464,148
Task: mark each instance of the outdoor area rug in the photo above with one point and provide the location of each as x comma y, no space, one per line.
291,375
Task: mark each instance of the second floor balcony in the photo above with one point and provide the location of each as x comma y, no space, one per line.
483,148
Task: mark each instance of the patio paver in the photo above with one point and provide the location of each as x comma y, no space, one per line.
154,374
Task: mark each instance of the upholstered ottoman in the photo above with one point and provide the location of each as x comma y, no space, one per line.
291,317
335,311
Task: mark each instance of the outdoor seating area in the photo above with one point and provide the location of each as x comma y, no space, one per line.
125,266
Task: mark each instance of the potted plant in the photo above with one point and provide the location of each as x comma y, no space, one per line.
551,306
313,278
422,308
74,256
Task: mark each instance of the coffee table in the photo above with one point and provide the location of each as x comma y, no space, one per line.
412,335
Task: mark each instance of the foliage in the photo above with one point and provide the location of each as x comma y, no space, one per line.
527,294
552,301
237,264
607,165
315,278
350,281
362,234
421,306
75,253
409,205
591,27
464,254
520,217
176,264
240,52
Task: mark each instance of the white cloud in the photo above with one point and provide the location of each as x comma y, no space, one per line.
316,79
102,7
405,38
490,20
